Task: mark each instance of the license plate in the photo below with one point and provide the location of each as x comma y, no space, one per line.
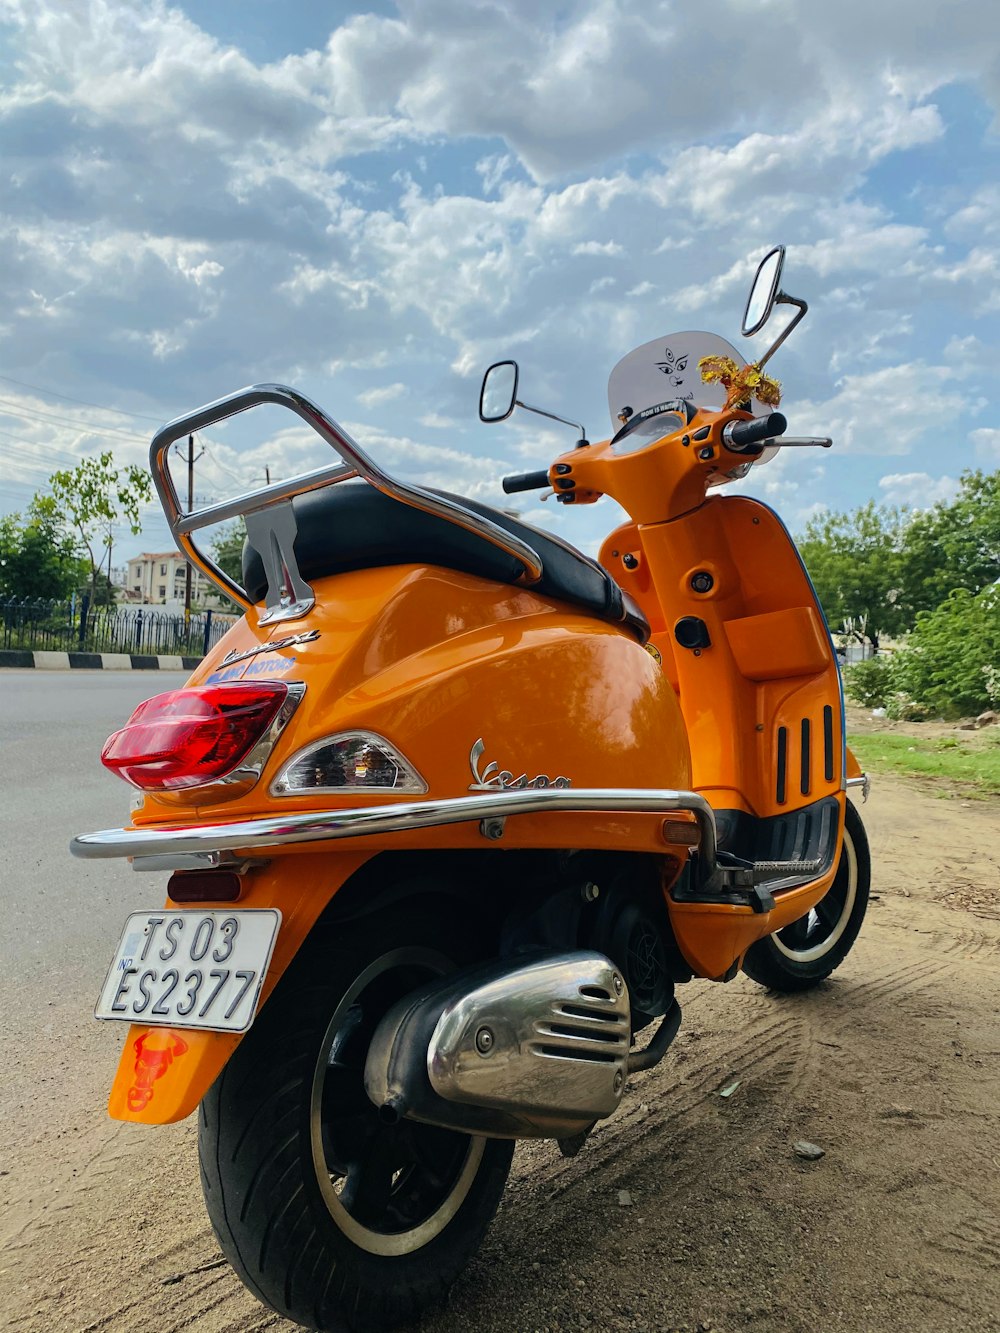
190,969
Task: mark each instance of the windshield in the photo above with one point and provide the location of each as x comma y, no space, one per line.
664,369
668,368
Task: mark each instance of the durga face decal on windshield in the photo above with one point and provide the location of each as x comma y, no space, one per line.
673,366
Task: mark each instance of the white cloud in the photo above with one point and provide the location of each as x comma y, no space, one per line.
374,397
987,443
597,248
917,490
884,411
179,219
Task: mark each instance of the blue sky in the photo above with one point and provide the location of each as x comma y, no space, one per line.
374,202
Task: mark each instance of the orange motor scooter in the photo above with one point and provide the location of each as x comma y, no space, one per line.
453,810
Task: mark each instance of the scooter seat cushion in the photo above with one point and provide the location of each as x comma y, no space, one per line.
354,526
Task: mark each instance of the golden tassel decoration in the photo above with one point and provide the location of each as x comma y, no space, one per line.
740,382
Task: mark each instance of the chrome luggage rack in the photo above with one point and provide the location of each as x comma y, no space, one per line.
268,513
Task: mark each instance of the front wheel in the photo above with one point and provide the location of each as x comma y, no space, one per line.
808,950
330,1216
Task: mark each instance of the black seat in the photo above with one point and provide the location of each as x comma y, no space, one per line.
354,526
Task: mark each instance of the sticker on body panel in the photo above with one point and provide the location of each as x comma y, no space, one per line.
231,665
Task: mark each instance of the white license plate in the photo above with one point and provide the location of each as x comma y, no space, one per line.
190,969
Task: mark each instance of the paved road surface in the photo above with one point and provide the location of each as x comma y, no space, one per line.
61,917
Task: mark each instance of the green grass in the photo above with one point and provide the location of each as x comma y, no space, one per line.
969,762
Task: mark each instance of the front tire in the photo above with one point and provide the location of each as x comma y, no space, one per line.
806,952
331,1217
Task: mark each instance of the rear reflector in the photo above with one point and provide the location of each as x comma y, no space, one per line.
204,886
186,738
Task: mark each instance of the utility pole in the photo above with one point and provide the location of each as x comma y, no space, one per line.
188,571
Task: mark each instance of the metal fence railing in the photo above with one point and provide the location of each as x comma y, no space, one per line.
76,626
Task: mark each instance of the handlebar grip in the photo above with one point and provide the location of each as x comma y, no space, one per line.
525,481
745,434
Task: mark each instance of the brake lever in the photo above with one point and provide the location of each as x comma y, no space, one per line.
799,442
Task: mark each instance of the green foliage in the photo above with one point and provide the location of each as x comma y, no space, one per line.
95,496
37,559
951,661
955,545
227,549
855,563
870,683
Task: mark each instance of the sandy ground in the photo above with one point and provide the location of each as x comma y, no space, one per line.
893,1067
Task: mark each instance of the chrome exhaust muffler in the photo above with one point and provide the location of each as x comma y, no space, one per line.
535,1048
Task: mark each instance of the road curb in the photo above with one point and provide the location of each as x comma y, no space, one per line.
53,661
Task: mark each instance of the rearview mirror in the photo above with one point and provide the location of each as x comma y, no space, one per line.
764,291
498,396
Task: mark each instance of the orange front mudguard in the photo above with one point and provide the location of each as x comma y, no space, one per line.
164,1072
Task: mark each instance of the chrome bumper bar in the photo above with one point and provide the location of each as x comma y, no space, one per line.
864,782
255,835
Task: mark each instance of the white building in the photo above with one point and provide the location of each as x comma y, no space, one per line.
159,578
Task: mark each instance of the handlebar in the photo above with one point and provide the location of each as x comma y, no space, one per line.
743,435
525,481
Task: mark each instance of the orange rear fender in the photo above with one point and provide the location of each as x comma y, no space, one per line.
163,1073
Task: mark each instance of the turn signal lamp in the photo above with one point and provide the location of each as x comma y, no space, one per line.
186,738
353,760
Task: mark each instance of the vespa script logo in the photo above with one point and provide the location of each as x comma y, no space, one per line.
492,778
290,640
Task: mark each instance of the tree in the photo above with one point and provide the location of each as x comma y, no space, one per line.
954,545
951,661
37,558
855,564
227,549
93,497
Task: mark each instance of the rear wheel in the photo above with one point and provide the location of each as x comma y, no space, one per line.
333,1218
808,950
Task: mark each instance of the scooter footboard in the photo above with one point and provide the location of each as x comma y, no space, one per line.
164,1072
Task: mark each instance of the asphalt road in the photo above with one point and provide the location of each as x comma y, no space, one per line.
61,917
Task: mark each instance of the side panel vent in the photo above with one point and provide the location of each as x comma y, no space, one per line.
828,743
782,785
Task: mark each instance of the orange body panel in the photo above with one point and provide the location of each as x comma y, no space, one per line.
432,660
163,1073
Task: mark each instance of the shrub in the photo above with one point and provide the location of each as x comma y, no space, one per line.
871,682
951,662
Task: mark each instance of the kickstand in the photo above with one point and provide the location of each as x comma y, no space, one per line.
570,1146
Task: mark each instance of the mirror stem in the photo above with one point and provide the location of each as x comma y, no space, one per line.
552,416
783,299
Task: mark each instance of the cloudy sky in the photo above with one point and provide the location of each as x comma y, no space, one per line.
372,202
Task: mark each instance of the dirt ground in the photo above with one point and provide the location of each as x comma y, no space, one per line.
892,1067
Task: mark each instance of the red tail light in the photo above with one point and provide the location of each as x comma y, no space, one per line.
188,737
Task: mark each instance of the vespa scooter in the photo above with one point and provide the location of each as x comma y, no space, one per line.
453,810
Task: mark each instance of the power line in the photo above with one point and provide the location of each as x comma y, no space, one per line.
51,393
26,413
51,455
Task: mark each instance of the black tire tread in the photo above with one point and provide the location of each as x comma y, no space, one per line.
259,1183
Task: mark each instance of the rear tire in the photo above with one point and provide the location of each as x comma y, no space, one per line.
806,952
332,1218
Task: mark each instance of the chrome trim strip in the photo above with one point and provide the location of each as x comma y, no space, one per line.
325,825
355,463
